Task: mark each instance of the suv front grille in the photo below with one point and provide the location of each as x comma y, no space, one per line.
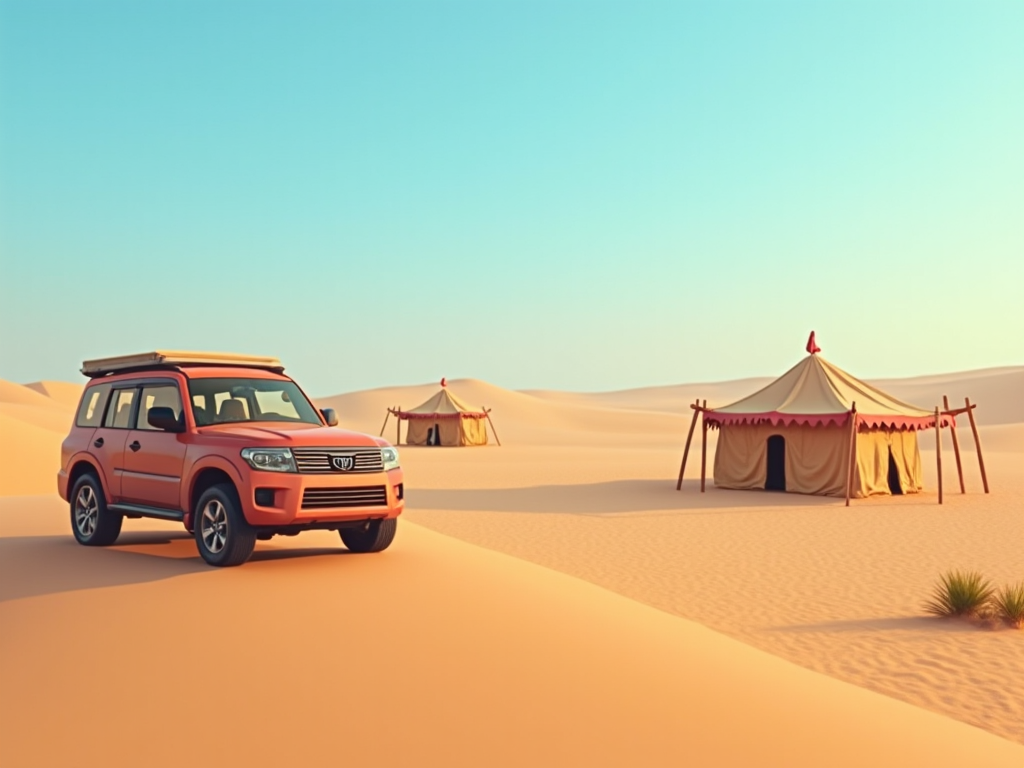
364,496
318,461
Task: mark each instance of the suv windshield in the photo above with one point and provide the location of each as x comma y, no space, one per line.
222,401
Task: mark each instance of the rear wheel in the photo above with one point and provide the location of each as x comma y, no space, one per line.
376,537
223,536
92,523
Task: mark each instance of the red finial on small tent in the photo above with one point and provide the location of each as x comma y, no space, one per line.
443,382
812,348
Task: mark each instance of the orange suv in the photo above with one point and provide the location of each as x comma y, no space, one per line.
229,446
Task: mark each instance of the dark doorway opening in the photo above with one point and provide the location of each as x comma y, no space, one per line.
895,488
434,435
776,479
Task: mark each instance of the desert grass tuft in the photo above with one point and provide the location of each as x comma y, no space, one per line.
1009,604
960,594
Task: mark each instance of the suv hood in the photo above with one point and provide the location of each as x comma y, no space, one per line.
291,435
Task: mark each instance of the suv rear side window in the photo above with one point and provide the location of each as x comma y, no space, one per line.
156,396
119,414
90,412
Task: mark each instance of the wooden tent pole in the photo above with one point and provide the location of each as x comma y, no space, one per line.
386,417
977,442
853,452
956,448
689,436
703,445
487,413
938,451
398,427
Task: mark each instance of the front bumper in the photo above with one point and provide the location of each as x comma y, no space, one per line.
289,499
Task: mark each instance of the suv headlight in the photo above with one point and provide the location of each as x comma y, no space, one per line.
390,456
270,459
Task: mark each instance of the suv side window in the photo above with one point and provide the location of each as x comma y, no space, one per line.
119,415
90,412
157,396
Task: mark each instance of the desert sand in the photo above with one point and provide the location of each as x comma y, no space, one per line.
553,601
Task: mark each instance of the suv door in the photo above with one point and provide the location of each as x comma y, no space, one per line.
153,459
109,439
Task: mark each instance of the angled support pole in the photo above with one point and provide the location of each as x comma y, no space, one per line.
938,451
956,447
689,437
487,412
703,444
853,452
385,424
977,442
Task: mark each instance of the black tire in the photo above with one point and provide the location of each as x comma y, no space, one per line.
223,536
92,523
376,538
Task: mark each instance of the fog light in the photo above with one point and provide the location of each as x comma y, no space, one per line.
400,491
264,497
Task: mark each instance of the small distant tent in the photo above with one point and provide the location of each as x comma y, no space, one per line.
818,430
443,420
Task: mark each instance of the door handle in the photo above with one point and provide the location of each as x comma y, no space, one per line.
99,442
135,446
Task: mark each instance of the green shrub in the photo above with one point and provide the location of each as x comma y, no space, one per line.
960,594
1009,604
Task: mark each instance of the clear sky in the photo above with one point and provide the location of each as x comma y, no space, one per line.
568,194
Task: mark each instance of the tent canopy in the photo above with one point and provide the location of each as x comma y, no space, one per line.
816,392
443,405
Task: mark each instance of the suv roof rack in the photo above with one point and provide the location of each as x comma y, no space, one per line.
172,359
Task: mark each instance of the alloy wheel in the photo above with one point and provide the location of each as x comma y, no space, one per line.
87,511
214,526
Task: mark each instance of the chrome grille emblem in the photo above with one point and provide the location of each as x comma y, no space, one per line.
344,463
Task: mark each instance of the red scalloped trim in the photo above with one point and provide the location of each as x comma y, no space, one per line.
466,415
825,419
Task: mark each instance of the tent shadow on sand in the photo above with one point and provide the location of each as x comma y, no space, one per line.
612,498
884,624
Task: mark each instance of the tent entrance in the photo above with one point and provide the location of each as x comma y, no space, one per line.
434,435
895,487
776,476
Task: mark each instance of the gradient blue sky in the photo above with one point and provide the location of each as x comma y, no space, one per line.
577,195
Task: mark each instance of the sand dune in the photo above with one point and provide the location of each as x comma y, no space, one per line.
20,394
462,649
994,389
61,392
29,457
518,417
399,659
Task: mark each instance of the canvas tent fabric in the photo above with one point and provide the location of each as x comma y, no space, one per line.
816,459
815,392
446,419
805,414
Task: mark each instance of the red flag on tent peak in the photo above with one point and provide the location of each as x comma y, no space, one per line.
812,348
444,383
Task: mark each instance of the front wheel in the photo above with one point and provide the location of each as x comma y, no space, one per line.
223,536
92,523
375,538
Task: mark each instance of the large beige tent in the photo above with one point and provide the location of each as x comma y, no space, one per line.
443,420
818,430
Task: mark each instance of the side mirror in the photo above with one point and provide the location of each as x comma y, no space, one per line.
330,417
164,418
